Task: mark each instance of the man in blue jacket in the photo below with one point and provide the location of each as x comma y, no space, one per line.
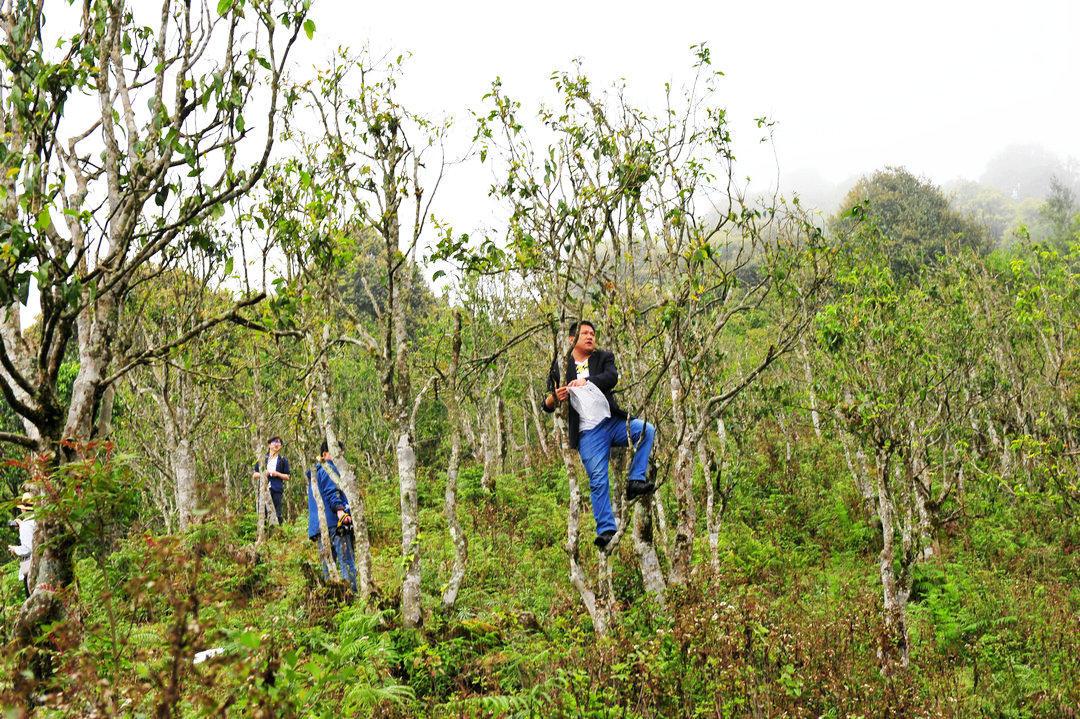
596,423
337,514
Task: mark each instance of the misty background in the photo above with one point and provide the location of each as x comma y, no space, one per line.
975,97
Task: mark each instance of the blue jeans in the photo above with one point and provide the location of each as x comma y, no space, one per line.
595,445
343,556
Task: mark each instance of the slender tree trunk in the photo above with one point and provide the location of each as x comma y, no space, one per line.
682,473
895,648
182,459
262,489
662,525
712,475
924,522
476,447
457,535
327,420
96,323
410,529
815,416
541,436
488,440
503,437
226,478
325,548
682,477
787,437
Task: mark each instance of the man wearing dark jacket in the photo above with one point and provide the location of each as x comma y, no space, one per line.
337,514
595,423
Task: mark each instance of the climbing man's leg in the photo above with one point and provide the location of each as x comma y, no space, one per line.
594,447
641,434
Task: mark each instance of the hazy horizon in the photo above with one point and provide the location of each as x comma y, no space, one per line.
937,88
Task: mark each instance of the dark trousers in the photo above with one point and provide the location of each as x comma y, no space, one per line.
277,498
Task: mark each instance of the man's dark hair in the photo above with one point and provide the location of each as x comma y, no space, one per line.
574,327
323,448
273,439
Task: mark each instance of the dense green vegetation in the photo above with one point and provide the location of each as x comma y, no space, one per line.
867,457
788,625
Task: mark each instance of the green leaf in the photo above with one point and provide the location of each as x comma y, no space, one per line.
224,6
250,640
43,220
309,28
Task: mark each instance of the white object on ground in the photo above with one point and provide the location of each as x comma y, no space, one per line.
205,654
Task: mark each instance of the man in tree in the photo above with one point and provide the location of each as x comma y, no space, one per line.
277,472
595,423
337,513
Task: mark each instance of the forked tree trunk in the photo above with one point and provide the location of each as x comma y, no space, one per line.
860,475
11,335
52,566
652,574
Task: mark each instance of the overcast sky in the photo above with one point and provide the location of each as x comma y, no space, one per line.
938,87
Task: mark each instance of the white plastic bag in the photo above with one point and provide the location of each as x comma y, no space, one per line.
590,403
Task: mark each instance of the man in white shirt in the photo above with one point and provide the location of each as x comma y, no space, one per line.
24,550
277,473
596,424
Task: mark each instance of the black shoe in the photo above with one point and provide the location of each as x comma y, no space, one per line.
639,488
602,540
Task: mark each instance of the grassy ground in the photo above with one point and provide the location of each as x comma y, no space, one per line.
789,626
